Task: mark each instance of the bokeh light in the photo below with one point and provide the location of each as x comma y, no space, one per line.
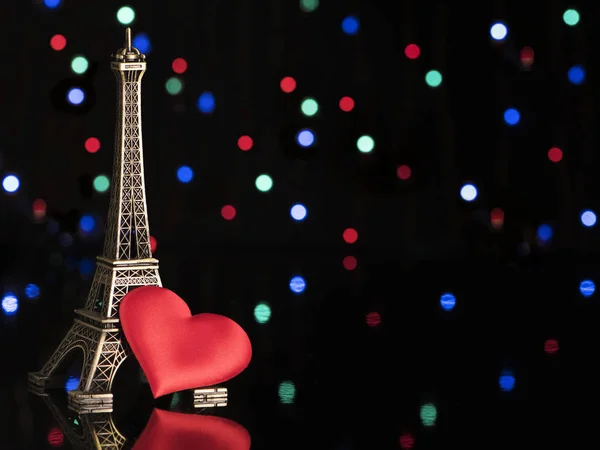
555,154
153,244
527,56
506,381
32,291
58,42
56,437
428,414
39,209
349,262
412,51
11,183
125,15
309,107
447,301
373,319
174,86
468,192
406,441
244,143
52,4
141,41
576,75
10,304
350,235
287,84
305,138
433,78
101,183
403,172
264,183
87,223
79,64
92,145
587,288
309,5
588,218
206,102
551,346
185,174
228,212
571,17
544,232
286,392
512,116
498,31
262,313
297,285
179,65
497,218
76,96
346,104
71,384
350,25
298,212
365,144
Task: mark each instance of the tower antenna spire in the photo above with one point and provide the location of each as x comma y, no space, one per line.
128,39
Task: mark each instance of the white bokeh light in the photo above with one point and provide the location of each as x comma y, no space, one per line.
468,192
298,212
10,183
588,218
498,31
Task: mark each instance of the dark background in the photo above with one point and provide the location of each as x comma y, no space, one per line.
356,386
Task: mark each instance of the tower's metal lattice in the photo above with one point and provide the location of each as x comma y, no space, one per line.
126,261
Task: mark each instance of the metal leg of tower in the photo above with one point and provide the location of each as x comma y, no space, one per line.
211,397
90,403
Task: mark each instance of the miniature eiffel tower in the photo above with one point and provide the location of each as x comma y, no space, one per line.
126,261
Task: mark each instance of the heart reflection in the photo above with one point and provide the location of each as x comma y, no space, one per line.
173,430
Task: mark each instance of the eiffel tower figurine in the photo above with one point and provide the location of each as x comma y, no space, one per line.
126,261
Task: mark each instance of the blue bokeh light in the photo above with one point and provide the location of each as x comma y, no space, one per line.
141,41
512,116
71,384
52,3
87,223
576,75
86,266
298,212
544,232
587,288
32,291
588,218
76,96
447,301
350,25
297,285
206,102
305,138
185,174
10,304
506,381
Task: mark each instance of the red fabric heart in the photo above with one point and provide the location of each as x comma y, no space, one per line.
168,430
178,351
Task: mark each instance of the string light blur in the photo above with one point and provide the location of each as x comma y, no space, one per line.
587,288
447,301
297,285
428,414
286,392
10,304
262,313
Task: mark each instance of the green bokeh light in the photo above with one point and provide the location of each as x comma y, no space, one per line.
428,414
287,392
174,86
433,78
309,107
79,65
309,5
262,313
101,183
571,17
264,183
125,15
365,144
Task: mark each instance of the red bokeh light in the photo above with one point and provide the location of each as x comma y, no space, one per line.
346,104
527,55
56,438
350,263
551,346
403,172
373,319
228,212
407,441
497,218
350,235
245,143
58,42
179,65
288,84
555,154
92,145
412,51
153,244
39,209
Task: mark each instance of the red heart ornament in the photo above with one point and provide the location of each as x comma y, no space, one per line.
168,430
178,351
